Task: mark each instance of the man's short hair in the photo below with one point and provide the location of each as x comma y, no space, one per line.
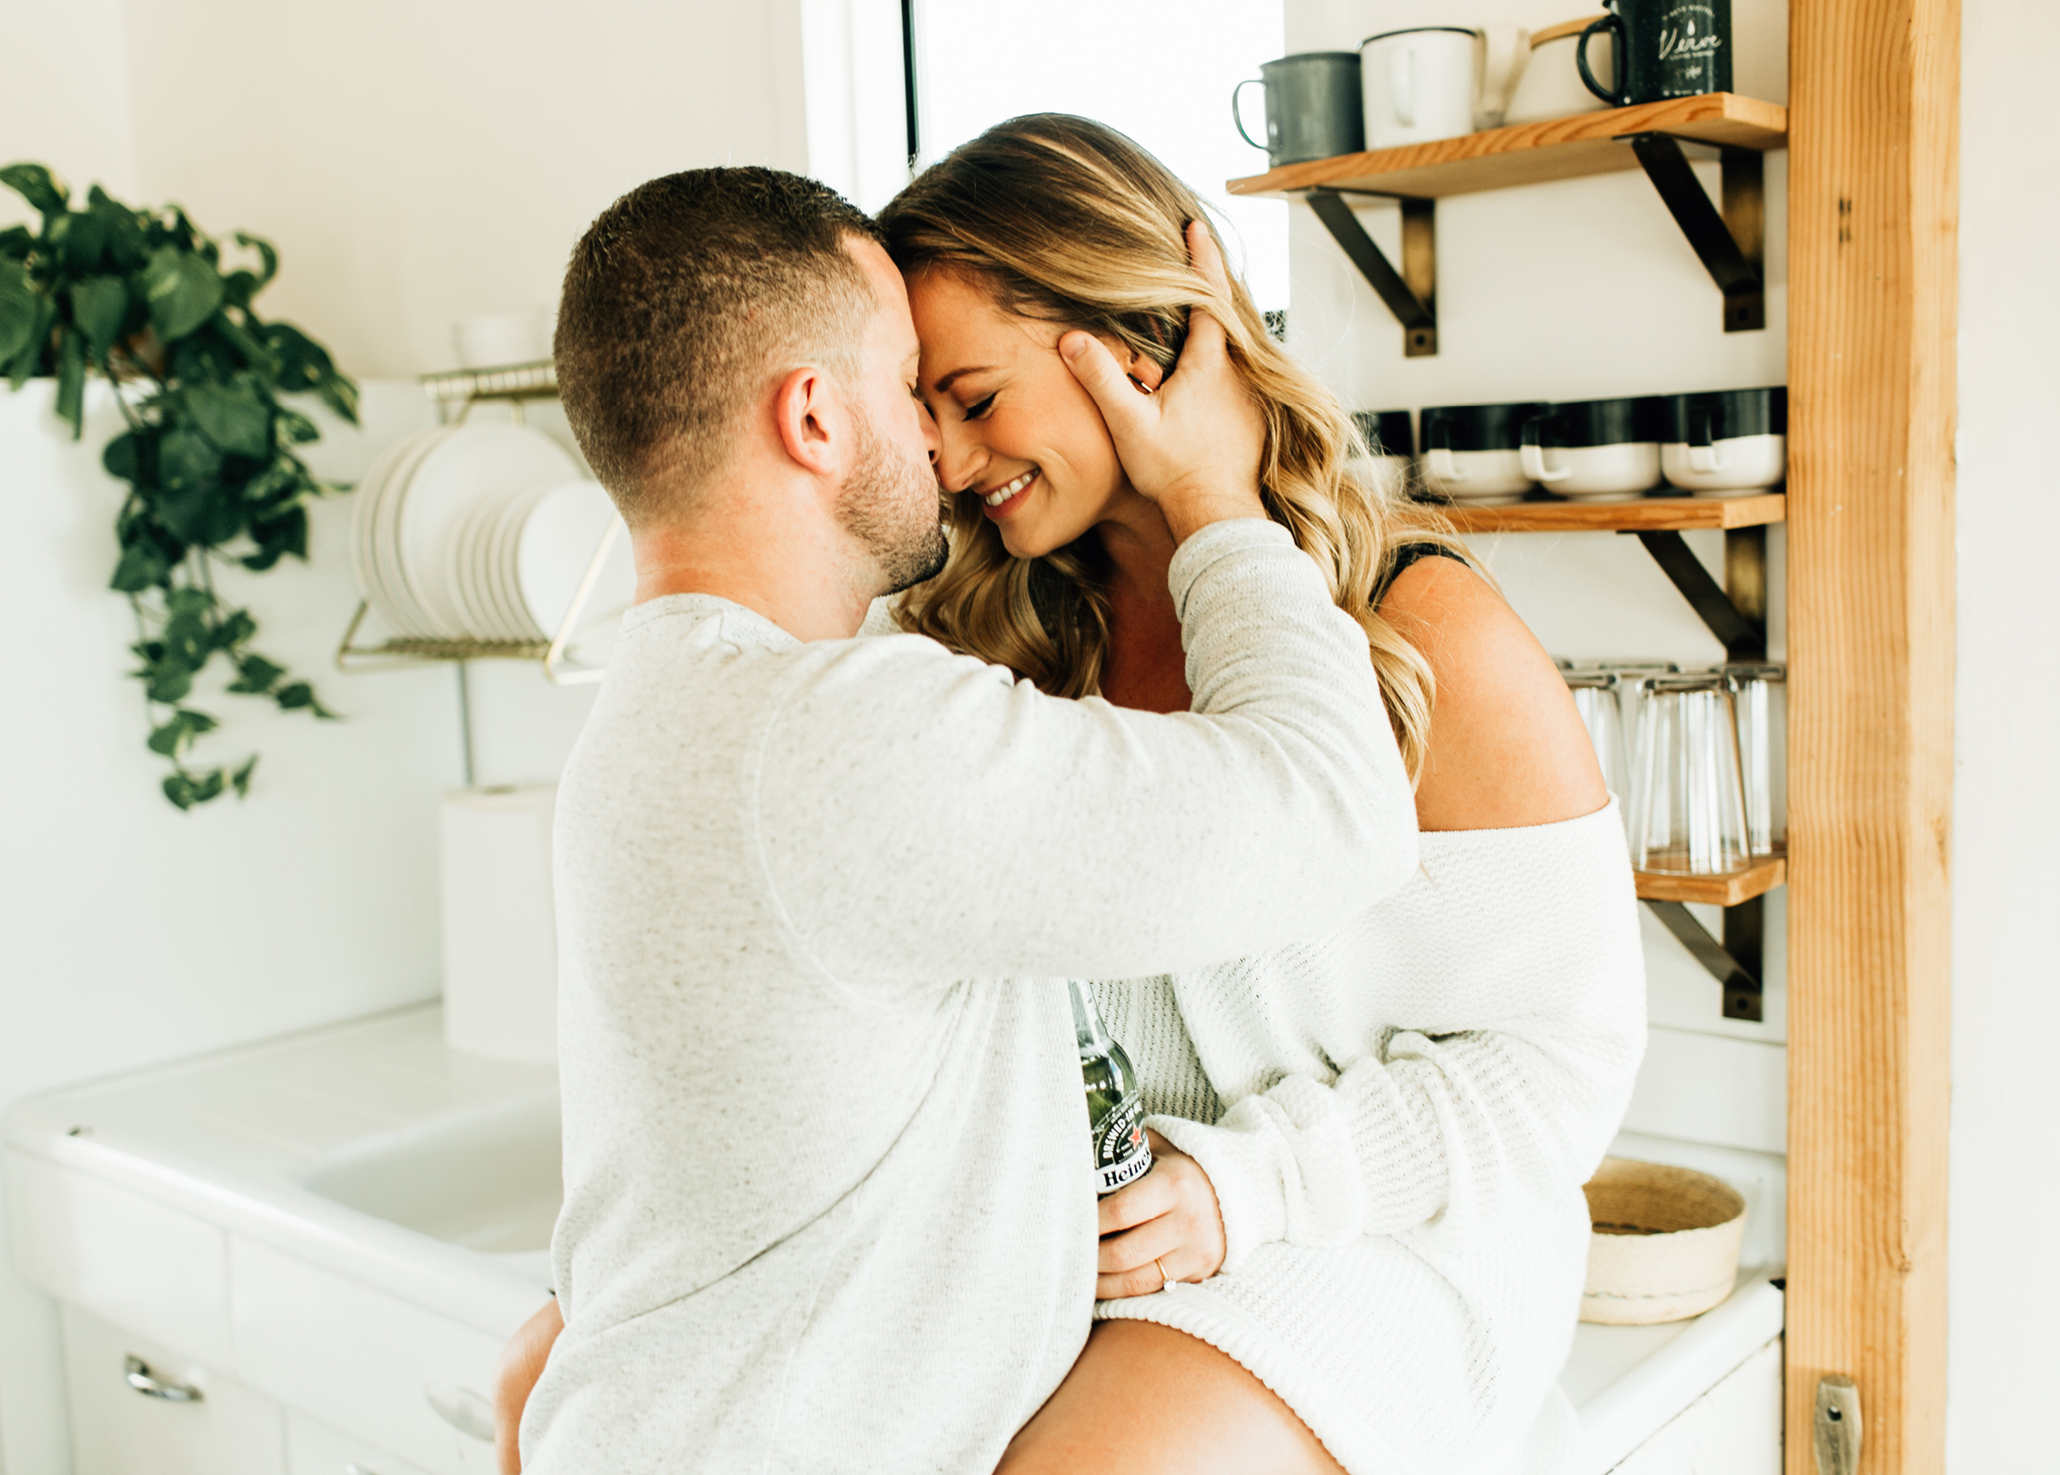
682,303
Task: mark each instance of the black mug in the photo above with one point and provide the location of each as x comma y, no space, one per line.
1664,48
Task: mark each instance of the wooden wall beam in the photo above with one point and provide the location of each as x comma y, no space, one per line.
1873,271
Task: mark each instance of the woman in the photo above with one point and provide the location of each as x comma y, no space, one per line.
1372,1146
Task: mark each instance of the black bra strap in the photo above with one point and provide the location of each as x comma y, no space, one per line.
1406,556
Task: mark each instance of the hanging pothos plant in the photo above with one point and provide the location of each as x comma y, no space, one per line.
143,297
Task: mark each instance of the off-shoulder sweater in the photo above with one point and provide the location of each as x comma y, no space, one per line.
1397,1116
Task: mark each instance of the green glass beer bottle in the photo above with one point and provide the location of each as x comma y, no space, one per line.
1115,1107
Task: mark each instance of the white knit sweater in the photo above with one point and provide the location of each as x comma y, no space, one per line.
828,1198
1400,1116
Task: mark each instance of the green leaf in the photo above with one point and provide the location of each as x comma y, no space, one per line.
189,604
278,536
255,353
166,682
80,240
298,694
45,193
16,242
183,291
123,457
233,417
98,306
267,253
142,567
234,628
180,790
30,358
71,380
178,734
186,458
18,305
296,428
240,780
255,675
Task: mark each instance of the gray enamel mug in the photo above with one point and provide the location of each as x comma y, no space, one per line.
1313,107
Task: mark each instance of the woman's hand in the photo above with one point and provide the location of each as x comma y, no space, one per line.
1165,1226
1193,446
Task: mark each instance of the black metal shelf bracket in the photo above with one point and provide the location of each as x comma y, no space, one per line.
1412,293
1743,632
1730,243
1736,961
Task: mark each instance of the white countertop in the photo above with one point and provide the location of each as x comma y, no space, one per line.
231,1138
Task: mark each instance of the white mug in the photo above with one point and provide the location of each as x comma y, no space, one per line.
1420,84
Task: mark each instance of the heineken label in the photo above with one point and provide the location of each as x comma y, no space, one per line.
1121,1153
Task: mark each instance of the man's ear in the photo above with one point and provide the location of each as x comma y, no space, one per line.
812,420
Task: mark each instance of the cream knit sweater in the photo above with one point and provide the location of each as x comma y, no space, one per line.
1399,1116
827,1194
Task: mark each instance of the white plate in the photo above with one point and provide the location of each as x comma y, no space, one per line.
362,506
468,576
374,514
407,612
476,462
558,541
498,567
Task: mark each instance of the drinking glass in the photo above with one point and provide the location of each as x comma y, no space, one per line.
1757,688
1690,808
1634,679
1595,698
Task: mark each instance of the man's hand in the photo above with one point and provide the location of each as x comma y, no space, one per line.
1194,446
522,1363
1165,1226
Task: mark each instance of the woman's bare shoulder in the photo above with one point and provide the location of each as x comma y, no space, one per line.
1507,748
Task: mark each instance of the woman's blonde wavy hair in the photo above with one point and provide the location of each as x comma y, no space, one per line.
1068,221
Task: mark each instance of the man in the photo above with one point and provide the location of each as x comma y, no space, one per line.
825,1152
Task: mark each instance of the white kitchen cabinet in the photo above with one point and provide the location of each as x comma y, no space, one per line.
1734,1429
388,1371
119,1430
313,1448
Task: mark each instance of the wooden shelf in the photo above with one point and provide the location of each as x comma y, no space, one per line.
1531,153
1726,890
1648,515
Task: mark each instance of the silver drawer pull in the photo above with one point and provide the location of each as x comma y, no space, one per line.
136,1373
462,1409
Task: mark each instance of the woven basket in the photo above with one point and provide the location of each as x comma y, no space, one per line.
1664,1245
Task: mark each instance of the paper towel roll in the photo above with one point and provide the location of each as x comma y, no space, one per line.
500,943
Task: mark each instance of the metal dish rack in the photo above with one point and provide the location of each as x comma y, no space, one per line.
454,394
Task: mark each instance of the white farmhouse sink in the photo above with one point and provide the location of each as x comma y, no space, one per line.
486,1180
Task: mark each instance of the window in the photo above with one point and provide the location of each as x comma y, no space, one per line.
1160,70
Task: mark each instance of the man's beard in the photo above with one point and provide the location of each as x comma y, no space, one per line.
891,505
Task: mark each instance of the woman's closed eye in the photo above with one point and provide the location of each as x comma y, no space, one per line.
977,411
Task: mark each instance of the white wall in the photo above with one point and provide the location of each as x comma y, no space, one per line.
2005,1281
422,162
415,163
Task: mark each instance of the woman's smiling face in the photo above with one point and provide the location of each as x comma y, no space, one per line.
1014,426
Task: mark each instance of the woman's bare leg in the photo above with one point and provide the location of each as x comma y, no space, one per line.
1145,1399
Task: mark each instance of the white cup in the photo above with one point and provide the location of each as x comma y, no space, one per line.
1742,466
1549,86
1615,473
1419,85
1483,478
